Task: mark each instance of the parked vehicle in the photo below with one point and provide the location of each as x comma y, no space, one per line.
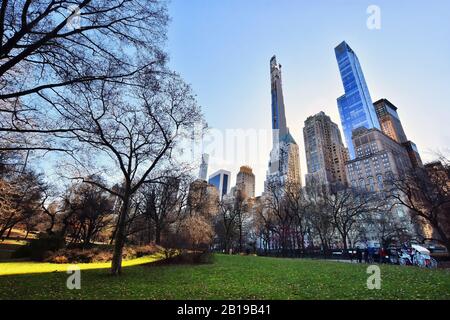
417,256
405,258
422,257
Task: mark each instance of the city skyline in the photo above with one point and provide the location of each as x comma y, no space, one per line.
311,77
150,150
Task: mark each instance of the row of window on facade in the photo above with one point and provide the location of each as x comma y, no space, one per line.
370,186
368,150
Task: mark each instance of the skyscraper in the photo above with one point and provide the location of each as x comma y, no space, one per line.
203,198
355,106
284,164
413,153
392,127
203,174
278,111
379,159
221,180
245,181
325,152
389,120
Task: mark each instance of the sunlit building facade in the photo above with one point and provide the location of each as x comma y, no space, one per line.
325,152
392,127
378,159
389,120
245,181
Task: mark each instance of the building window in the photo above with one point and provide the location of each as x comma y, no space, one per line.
361,183
371,184
380,182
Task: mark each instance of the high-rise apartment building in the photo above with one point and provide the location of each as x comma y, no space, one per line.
221,180
245,181
355,106
325,152
284,164
392,127
378,159
413,153
203,198
389,120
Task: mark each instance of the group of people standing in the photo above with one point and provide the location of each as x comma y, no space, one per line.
371,254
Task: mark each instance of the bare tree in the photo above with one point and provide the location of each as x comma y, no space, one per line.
47,47
20,196
89,212
133,132
264,222
51,207
195,233
164,202
240,210
348,207
389,225
282,219
226,226
299,207
425,193
52,44
322,223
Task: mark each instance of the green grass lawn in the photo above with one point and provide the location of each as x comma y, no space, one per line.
233,277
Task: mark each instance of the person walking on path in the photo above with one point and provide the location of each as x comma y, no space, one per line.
359,254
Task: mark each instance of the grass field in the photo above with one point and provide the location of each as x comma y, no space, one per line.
231,277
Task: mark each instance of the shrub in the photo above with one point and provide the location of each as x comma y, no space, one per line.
39,248
98,254
61,259
189,257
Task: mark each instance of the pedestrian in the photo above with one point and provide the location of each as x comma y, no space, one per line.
371,252
359,254
381,253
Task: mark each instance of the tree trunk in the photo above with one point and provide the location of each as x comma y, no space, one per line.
9,232
116,264
157,234
240,238
444,239
49,230
344,240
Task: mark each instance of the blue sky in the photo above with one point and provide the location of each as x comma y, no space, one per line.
223,47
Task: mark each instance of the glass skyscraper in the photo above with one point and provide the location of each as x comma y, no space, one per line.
220,180
355,106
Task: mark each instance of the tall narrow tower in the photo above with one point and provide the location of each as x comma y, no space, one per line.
203,172
355,106
278,111
284,164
